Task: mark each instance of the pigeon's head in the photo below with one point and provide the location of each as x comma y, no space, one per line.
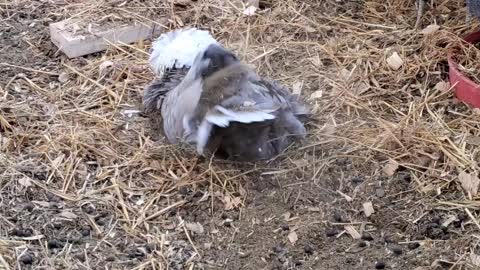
213,59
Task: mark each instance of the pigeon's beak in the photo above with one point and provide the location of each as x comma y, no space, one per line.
217,58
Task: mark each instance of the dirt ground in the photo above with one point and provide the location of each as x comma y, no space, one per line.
85,185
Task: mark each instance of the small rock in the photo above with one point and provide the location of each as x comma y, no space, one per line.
292,237
63,77
395,62
227,223
277,265
189,198
183,191
358,179
390,167
27,232
330,232
308,249
337,217
243,254
397,250
21,232
406,177
172,212
110,258
89,209
52,197
135,253
29,207
342,161
207,246
389,239
413,245
26,258
54,243
380,265
198,194
85,231
196,227
419,238
368,209
150,247
367,237
425,262
235,216
74,240
100,221
297,262
13,219
457,224
316,95
285,227
80,256
278,248
432,28
462,217
380,192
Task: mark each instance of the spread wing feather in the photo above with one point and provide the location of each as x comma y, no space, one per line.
249,99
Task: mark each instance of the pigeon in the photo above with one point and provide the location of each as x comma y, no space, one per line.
209,99
171,57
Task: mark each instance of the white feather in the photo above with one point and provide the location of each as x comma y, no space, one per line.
222,117
219,120
178,48
203,134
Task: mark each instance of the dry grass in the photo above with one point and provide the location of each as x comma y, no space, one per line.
72,145
466,55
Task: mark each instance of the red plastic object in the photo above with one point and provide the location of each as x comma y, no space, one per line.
465,89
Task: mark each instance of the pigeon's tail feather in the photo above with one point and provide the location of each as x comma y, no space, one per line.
155,91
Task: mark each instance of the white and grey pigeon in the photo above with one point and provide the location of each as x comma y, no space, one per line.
208,98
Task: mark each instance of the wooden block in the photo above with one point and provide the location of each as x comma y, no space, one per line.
77,44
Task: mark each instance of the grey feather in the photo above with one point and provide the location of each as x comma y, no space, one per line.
157,89
474,7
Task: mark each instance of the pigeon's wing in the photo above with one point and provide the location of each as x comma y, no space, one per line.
295,103
177,49
288,109
236,94
159,87
178,106
253,99
243,97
